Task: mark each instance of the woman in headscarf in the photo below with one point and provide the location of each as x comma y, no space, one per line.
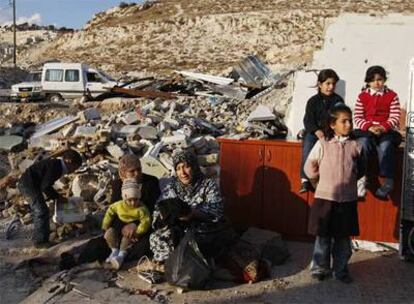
200,194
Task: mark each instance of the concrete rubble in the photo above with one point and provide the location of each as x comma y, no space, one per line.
184,112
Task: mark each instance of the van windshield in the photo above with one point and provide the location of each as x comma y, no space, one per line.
34,77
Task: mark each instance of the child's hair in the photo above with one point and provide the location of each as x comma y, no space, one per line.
326,74
333,116
376,69
73,157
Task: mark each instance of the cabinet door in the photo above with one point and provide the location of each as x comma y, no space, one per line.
284,209
241,177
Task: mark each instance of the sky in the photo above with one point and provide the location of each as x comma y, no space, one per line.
67,13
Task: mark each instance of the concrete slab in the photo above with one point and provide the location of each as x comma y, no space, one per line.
148,132
261,113
90,114
115,151
9,142
53,125
130,118
152,166
85,131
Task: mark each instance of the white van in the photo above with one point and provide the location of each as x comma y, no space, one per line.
68,80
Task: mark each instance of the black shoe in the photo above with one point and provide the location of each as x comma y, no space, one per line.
345,279
320,276
305,187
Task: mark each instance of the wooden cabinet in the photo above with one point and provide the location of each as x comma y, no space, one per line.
260,182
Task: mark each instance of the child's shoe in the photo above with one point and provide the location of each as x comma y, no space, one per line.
362,187
320,276
117,261
385,189
113,254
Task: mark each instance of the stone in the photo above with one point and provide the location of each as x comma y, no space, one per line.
128,130
44,142
85,186
10,142
148,132
166,160
208,160
268,243
130,118
175,141
261,113
152,166
90,114
115,151
85,131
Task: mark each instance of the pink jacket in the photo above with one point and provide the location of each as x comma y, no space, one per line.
334,162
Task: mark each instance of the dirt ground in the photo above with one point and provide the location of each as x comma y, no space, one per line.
379,278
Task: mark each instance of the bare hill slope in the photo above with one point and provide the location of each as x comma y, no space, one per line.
205,35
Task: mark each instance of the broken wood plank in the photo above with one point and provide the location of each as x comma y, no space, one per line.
141,93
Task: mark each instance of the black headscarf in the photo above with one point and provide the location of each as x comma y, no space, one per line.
184,192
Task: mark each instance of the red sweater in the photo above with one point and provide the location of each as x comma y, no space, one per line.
377,108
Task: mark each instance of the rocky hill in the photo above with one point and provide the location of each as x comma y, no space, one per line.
208,36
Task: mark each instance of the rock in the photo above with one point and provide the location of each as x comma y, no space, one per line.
148,132
90,114
175,142
261,113
10,142
152,166
130,118
208,160
85,131
115,151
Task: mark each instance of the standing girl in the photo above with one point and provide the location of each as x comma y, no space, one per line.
317,108
334,160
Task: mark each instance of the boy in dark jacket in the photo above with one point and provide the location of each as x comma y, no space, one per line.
38,181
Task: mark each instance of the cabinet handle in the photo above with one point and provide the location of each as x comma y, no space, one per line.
269,155
260,155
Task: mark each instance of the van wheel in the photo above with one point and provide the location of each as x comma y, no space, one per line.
54,98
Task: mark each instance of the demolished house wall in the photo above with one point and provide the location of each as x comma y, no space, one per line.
352,44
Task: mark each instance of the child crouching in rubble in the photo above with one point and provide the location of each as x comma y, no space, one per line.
37,180
129,210
336,161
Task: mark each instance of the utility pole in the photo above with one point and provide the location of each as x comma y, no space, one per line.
13,2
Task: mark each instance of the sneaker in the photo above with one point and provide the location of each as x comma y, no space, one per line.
305,187
113,254
385,189
117,261
345,279
362,187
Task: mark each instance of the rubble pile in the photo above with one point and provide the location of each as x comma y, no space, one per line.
148,117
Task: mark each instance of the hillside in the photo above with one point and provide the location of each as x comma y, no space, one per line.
207,36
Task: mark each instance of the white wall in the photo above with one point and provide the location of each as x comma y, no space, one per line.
352,44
